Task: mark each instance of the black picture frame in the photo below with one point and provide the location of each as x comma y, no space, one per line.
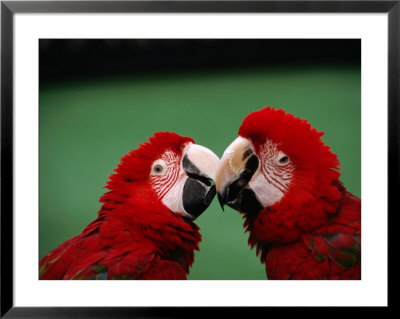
9,8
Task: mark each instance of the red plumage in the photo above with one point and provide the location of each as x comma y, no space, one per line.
314,231
135,236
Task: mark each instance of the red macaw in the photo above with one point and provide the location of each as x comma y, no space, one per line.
285,181
144,229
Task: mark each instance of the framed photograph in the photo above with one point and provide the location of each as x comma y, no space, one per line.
86,89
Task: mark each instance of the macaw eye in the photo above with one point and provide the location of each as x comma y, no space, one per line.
284,160
158,168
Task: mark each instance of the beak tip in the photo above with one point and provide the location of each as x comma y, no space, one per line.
221,200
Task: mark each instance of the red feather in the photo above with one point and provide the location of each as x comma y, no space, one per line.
314,232
134,236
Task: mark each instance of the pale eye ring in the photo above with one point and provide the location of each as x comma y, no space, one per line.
158,168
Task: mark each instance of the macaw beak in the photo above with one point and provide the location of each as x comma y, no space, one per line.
200,164
236,168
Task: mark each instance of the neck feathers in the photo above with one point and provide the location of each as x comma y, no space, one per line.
150,222
286,221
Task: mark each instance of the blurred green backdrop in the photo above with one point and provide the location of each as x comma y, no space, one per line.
87,125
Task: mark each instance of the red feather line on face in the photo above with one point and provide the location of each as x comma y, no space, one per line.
279,177
163,183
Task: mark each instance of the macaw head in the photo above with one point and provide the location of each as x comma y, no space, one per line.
168,171
276,158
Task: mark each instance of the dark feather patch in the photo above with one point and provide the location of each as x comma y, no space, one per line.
343,249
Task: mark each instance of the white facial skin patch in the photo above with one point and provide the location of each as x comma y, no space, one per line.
173,198
274,175
164,173
168,179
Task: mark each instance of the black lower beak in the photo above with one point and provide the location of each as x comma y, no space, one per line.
246,201
238,194
197,196
241,199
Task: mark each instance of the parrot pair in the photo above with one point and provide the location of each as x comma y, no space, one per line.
278,174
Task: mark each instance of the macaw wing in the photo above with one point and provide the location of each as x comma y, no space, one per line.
138,265
340,240
164,270
66,262
55,264
101,251
107,250
129,263
342,249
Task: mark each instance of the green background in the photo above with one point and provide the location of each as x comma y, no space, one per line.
86,126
